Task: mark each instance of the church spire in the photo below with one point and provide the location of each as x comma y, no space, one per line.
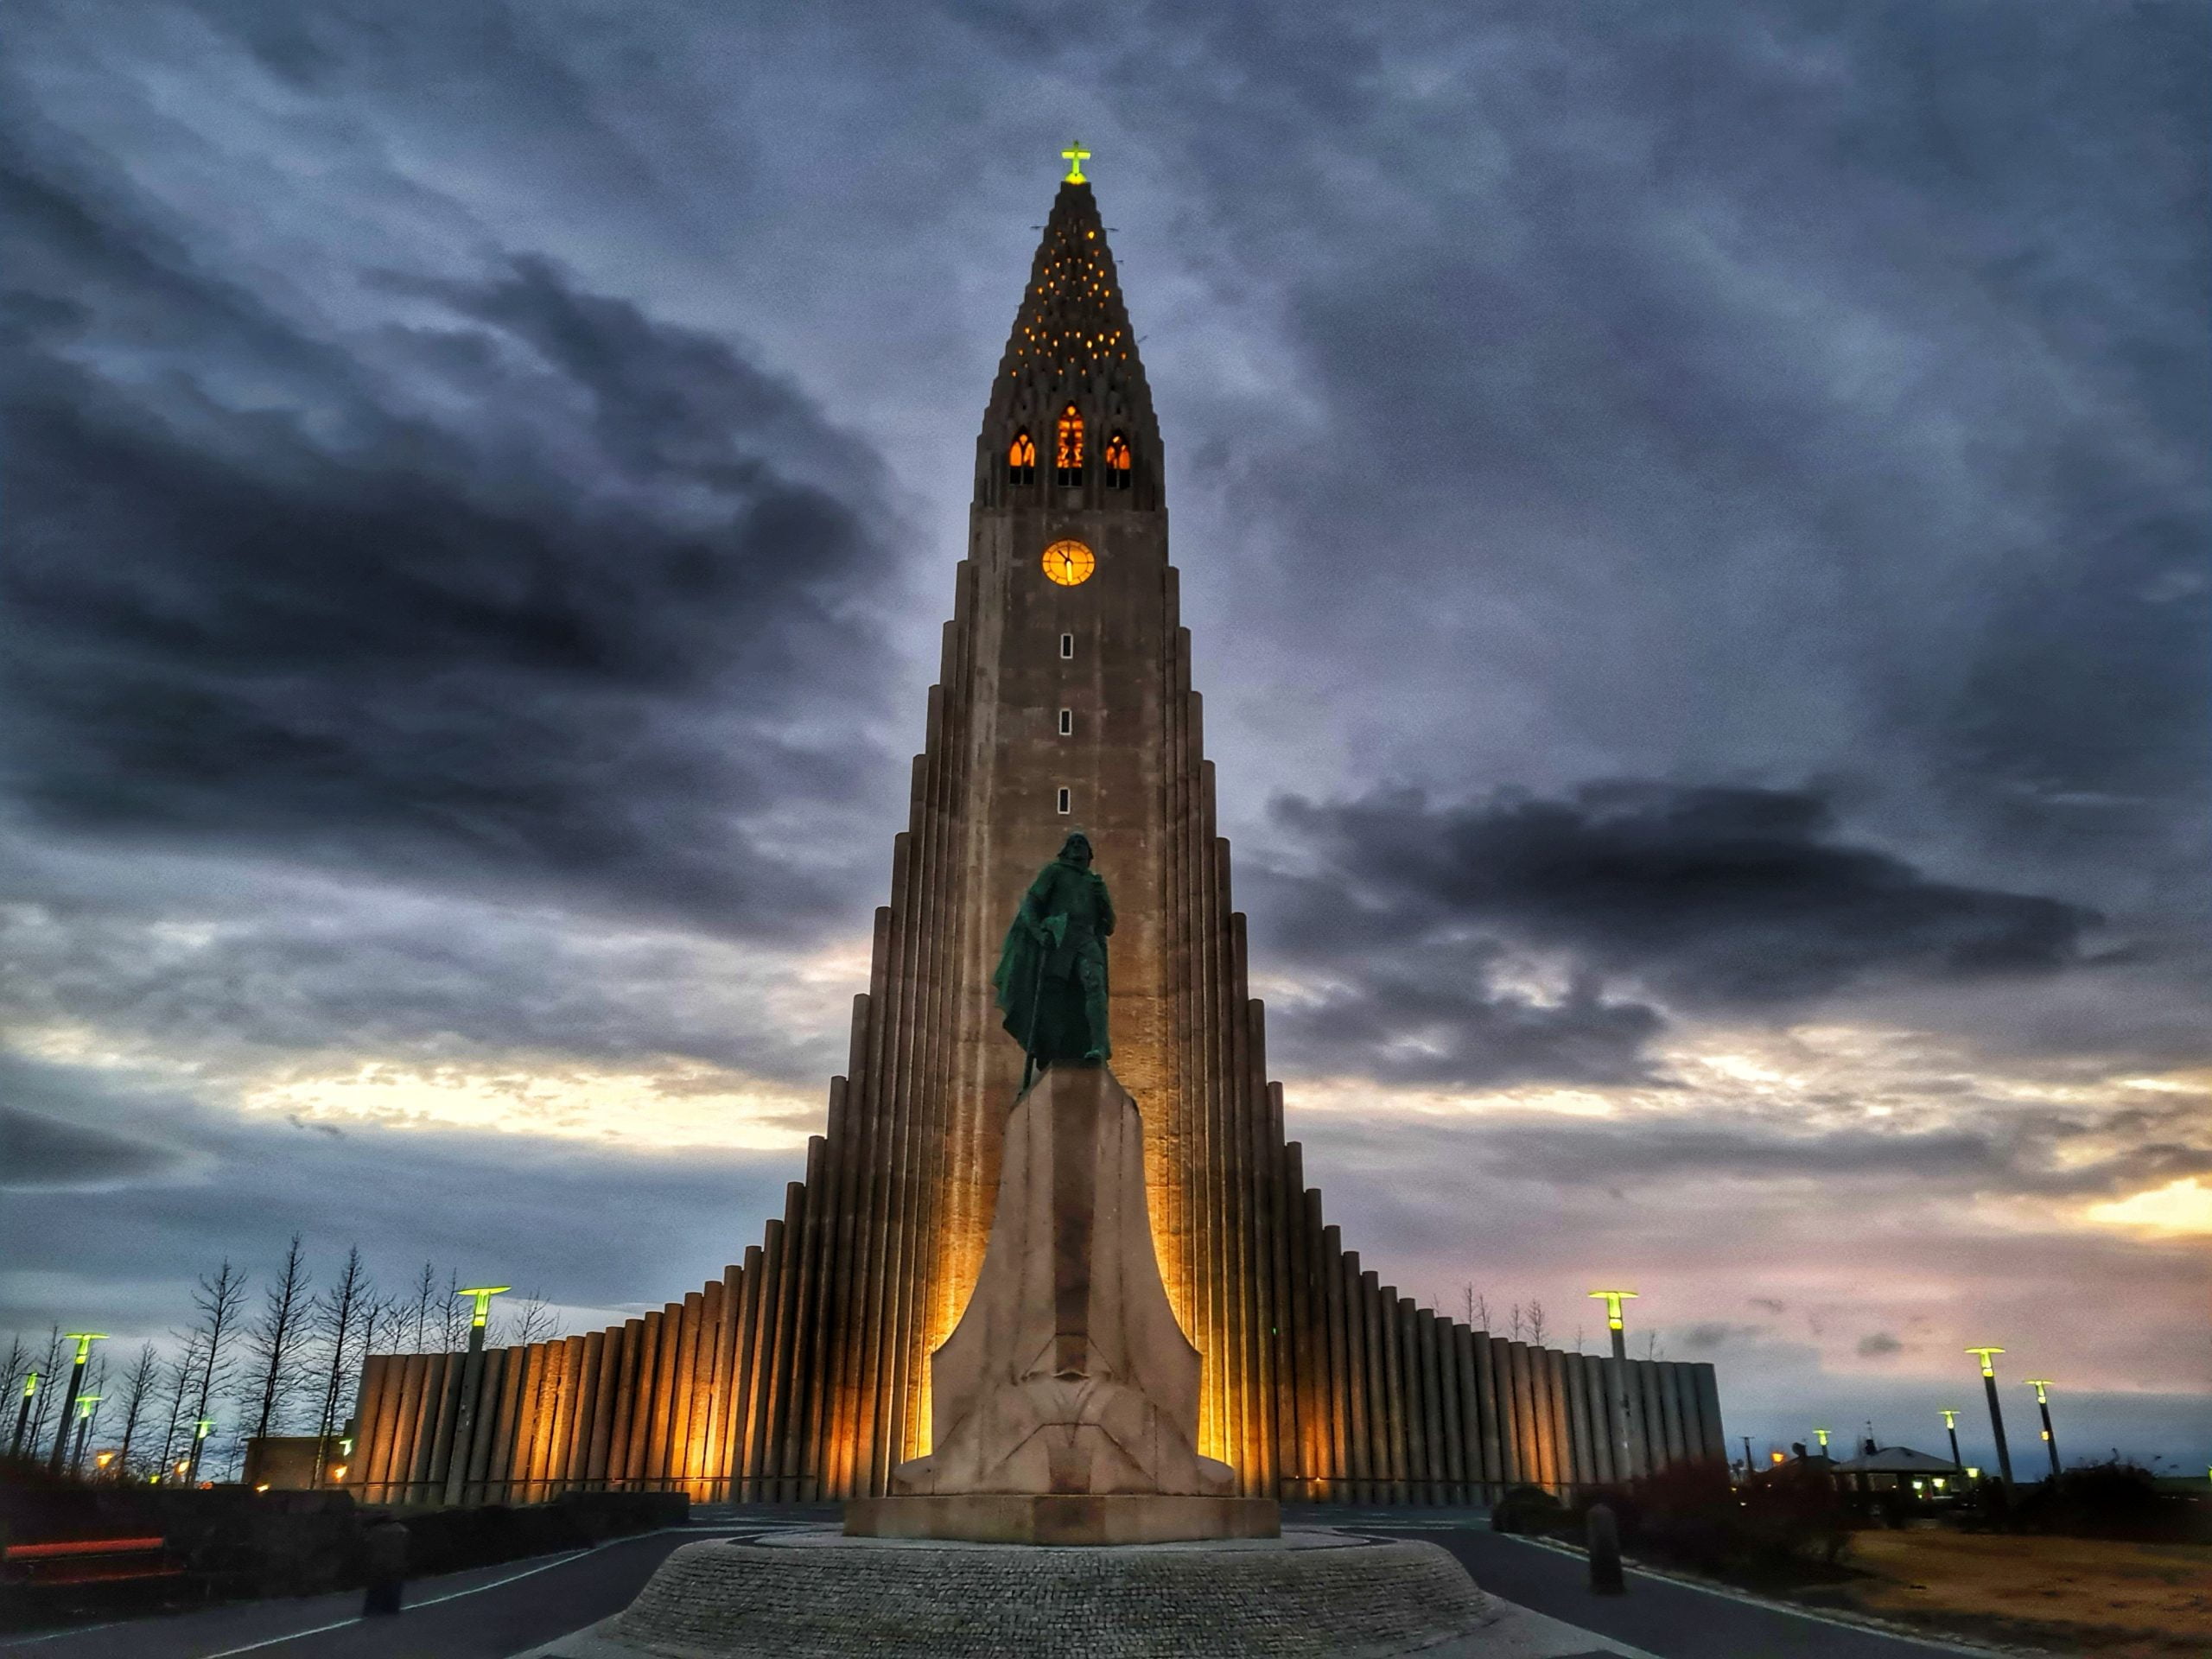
1071,394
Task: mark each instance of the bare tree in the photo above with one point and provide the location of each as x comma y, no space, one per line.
1651,1348
1578,1338
343,1315
48,1367
529,1318
217,1301
1515,1324
454,1334
426,1292
1477,1307
138,1389
185,1368
273,1342
1535,1323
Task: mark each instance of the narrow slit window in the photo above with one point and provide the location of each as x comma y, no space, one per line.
1118,462
1067,722
1067,447
1021,460
1067,645
1064,803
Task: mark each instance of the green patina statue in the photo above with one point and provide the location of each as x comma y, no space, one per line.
1051,975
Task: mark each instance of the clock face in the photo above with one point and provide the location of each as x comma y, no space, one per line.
1069,563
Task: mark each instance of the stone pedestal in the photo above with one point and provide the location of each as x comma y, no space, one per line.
1067,1378
811,1594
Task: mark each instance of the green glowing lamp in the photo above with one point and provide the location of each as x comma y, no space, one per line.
1612,1300
206,1427
1988,1370
483,1294
84,1339
1075,155
1823,1434
85,1404
30,1385
2038,1383
1950,1416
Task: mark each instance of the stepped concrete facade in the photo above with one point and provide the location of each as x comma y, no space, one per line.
1064,700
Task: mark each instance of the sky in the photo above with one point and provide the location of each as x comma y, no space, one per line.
1692,519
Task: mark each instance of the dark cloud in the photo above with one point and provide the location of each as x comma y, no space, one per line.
1878,1344
43,1152
531,585
1727,896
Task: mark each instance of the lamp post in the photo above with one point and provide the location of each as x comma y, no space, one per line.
1996,1412
85,1404
200,1431
1822,1435
1612,1298
24,1414
472,1371
2043,1404
1951,1427
84,1339
1747,1457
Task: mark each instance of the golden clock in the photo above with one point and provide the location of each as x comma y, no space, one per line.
1069,563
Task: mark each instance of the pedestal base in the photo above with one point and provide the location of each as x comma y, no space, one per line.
1063,1518
812,1594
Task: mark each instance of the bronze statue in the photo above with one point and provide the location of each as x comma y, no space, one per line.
1051,973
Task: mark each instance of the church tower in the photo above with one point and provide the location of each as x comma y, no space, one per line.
1063,701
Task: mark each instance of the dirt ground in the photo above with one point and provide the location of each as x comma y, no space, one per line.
2067,1595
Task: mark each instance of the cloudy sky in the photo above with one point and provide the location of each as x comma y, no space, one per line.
1694,519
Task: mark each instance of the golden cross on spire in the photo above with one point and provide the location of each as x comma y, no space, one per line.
1075,155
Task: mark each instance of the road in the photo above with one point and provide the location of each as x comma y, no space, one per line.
499,1611
1662,1616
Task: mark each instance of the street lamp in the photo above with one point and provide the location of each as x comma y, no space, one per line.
24,1414
85,1404
1996,1411
200,1430
84,1339
472,1368
2043,1404
1612,1300
1951,1427
1822,1435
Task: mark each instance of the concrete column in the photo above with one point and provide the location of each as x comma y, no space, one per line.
738,1305
1438,1355
1714,1443
1359,1430
777,1453
1341,1398
499,1469
637,1464
759,1407
681,1397
1470,1423
1562,1422
1486,1416
714,1439
628,1373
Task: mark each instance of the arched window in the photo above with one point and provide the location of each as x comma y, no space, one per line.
1118,462
1067,448
1021,460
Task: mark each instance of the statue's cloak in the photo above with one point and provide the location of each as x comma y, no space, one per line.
1051,973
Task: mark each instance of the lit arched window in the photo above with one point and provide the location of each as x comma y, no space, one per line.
1117,462
1067,449
1021,460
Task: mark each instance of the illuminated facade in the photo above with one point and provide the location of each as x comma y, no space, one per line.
1064,698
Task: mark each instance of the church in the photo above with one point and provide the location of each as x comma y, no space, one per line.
802,1373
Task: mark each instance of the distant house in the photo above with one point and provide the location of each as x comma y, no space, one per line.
1899,1468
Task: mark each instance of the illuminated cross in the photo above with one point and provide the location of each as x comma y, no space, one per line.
1988,1370
1075,155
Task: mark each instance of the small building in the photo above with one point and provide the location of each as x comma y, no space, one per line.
1899,1468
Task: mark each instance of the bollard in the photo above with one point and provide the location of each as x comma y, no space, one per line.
387,1542
1603,1534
